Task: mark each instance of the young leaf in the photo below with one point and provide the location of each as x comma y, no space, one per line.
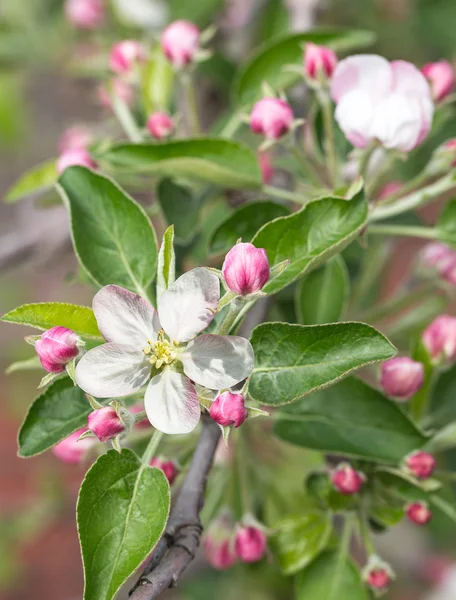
442,409
292,361
44,315
112,235
28,364
221,162
181,208
322,295
122,511
311,236
166,270
37,180
244,223
352,419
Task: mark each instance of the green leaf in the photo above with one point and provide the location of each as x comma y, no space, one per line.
292,361
443,407
222,162
122,511
200,12
61,409
37,180
166,271
446,224
244,223
28,364
181,209
44,315
311,236
352,419
299,539
112,235
321,297
269,62
317,581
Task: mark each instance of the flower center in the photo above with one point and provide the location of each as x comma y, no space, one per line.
162,352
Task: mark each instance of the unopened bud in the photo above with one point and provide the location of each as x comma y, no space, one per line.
250,544
347,480
421,464
125,55
117,88
86,14
228,409
389,189
378,575
77,157
441,78
246,269
402,377
319,61
169,468
57,347
218,543
75,138
180,43
160,125
418,513
72,450
439,338
272,118
105,423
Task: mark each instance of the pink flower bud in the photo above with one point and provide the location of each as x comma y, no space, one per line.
389,189
402,377
441,78
246,269
160,125
86,14
421,464
319,61
437,255
56,347
126,55
137,408
169,468
267,170
218,542
450,146
378,579
75,138
439,338
250,544
346,480
105,423
72,451
271,117
78,156
118,88
228,409
180,43
419,513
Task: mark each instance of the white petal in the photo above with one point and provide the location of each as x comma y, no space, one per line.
112,370
171,403
354,114
398,122
218,361
187,307
409,80
368,72
124,317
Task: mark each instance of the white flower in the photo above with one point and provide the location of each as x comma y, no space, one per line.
143,344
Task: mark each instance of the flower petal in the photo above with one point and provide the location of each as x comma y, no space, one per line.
409,80
112,370
124,317
354,114
187,307
218,361
171,403
398,122
368,72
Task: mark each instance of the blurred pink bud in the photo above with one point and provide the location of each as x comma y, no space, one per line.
267,170
137,408
75,138
56,347
441,78
228,409
169,468
389,189
419,513
450,146
421,464
71,158
437,255
105,423
250,544
72,451
402,377
118,88
160,125
347,480
439,338
218,542
246,269
271,117
319,61
86,14
180,43
126,55
378,579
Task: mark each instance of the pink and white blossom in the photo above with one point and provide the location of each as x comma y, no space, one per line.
160,125
160,348
86,14
76,157
126,55
228,409
319,61
439,338
271,117
56,348
72,450
402,377
246,269
105,423
441,78
180,43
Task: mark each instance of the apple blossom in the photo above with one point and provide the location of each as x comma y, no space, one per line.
86,14
76,156
319,61
228,409
381,101
105,423
271,117
402,377
143,344
125,55
347,480
439,338
218,543
421,464
180,43
246,269
441,78
169,468
160,125
57,347
250,544
418,513
72,450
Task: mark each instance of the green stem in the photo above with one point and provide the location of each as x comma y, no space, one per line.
191,104
231,126
306,166
126,119
404,230
365,533
228,322
242,452
365,160
344,551
386,309
330,138
152,447
285,194
407,188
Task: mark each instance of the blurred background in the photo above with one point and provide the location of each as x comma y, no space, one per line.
47,85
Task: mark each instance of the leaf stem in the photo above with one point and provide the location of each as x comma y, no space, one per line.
191,104
126,119
277,192
227,324
344,551
152,447
330,138
404,230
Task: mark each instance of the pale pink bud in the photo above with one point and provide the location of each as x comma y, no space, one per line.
246,269
450,146
402,377
86,14
437,255
271,117
169,468
218,543
448,271
389,189
180,43
160,125
228,409
105,423
441,78
75,138
319,61
347,480
72,451
378,579
439,338
267,170
137,408
250,544
118,88
126,55
71,158
56,347
418,513
421,464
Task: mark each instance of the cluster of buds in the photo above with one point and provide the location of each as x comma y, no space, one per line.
85,14
420,464
439,338
402,377
440,76
378,575
418,513
441,259
246,269
228,409
346,480
169,468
